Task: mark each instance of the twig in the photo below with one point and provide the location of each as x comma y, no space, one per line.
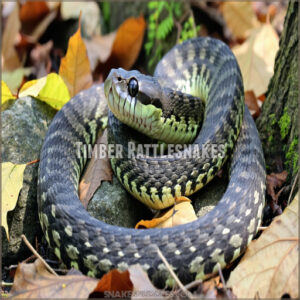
37,255
7,283
187,286
261,228
32,162
29,259
181,286
193,284
293,187
222,280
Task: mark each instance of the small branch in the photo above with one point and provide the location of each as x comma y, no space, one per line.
293,187
222,280
33,162
261,228
29,259
37,255
181,286
7,283
193,284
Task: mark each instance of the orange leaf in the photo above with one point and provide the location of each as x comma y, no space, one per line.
252,104
114,281
128,41
32,11
126,46
75,67
183,212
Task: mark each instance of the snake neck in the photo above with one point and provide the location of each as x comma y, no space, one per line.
163,114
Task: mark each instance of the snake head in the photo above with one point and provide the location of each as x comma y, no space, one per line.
135,99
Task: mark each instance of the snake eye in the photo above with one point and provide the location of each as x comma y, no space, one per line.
133,87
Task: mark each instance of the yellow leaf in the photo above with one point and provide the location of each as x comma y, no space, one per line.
50,89
239,17
183,212
5,93
75,67
269,268
256,57
12,182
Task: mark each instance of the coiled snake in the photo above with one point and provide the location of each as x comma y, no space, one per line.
201,67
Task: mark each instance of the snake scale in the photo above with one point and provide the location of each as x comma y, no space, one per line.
201,67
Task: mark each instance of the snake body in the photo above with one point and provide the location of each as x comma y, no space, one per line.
201,67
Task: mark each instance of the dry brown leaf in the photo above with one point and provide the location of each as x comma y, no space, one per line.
42,26
98,170
99,48
269,268
142,286
252,103
275,181
75,67
10,56
181,213
40,56
239,17
256,57
35,281
32,11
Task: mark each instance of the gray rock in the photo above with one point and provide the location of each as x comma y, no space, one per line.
113,205
24,125
208,197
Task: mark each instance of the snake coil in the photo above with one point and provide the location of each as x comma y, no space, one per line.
205,67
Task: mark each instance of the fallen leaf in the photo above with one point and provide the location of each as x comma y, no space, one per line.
239,17
181,213
5,93
90,15
75,67
35,281
50,89
269,268
252,103
128,42
257,67
275,181
142,286
126,46
99,48
10,58
32,11
40,57
41,27
12,182
98,170
14,78
114,284
264,11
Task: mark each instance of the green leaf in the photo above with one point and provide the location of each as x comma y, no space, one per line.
12,182
50,89
165,27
